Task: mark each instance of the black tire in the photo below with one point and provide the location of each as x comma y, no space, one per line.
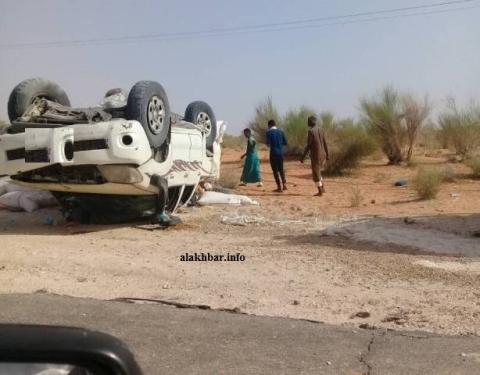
141,104
194,113
27,91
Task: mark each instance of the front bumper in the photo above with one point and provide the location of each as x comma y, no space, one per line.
112,142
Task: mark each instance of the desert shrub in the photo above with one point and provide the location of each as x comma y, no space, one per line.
233,142
295,127
427,183
356,198
460,128
329,124
474,165
415,112
395,121
229,180
264,112
349,144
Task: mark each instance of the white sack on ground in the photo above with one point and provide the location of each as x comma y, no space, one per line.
18,198
214,197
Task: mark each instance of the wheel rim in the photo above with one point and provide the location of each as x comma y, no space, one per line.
156,114
204,120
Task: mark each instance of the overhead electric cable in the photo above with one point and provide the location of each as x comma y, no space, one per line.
269,27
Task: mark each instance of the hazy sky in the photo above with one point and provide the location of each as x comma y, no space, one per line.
327,68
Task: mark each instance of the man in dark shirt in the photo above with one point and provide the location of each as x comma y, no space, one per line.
317,147
276,141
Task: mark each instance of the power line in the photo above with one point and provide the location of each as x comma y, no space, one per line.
270,27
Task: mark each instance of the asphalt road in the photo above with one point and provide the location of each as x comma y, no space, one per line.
172,340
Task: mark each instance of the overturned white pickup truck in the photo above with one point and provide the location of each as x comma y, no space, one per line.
131,157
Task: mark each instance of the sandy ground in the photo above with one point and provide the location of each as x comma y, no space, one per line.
392,262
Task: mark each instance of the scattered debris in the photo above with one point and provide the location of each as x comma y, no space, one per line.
360,314
288,222
241,220
399,318
408,220
455,195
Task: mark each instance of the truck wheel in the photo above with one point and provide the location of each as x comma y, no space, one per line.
27,91
200,113
148,104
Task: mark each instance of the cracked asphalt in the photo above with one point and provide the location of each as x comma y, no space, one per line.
188,340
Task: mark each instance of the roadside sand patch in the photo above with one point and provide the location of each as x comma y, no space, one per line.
470,267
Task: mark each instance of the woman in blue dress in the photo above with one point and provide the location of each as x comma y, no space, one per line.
251,169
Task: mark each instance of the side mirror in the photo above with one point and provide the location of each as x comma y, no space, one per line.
48,350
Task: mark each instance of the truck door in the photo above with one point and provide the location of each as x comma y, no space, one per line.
196,148
180,146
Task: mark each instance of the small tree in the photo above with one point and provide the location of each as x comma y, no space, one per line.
264,111
415,114
395,121
460,128
383,117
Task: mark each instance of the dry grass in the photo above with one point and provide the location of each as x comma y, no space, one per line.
356,198
234,142
427,183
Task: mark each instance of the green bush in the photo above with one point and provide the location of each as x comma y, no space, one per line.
474,165
347,146
427,183
296,130
460,128
264,112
